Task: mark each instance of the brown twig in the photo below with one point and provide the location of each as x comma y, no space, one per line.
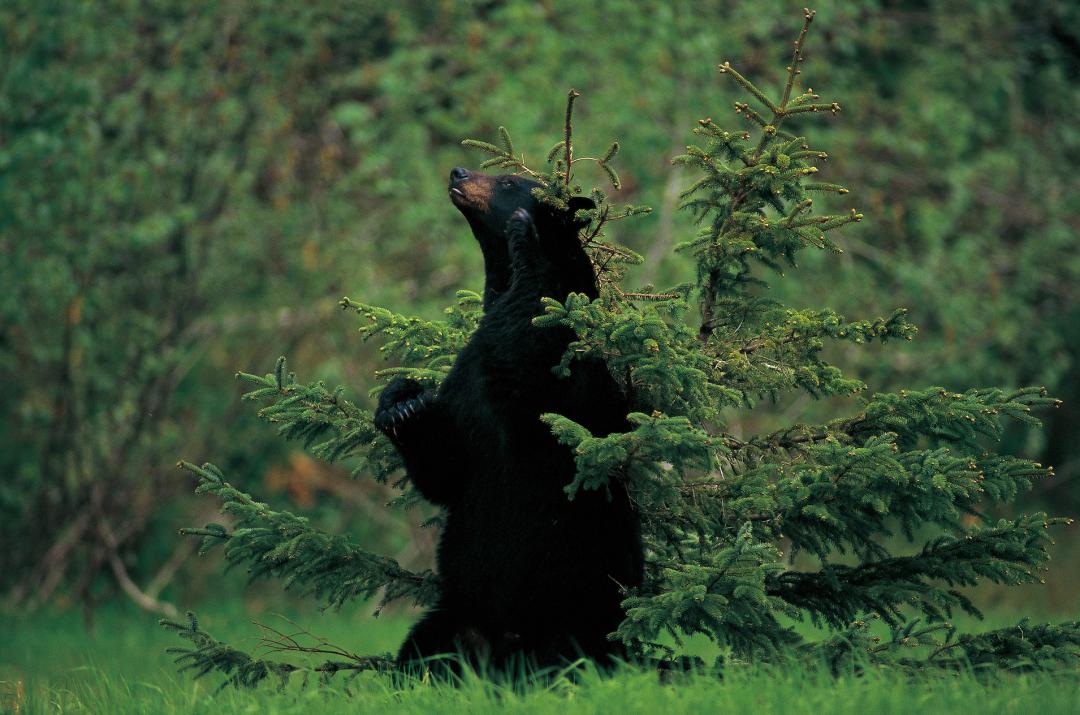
280,642
648,296
567,146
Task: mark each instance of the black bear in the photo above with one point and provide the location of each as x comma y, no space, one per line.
527,574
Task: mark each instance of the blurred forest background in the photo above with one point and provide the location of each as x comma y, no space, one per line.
188,189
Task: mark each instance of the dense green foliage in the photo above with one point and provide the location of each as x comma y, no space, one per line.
717,509
169,187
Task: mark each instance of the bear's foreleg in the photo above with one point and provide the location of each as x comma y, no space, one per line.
532,272
426,437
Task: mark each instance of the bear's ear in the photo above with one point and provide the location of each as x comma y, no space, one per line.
579,203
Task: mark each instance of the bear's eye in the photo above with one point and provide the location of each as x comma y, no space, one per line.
507,184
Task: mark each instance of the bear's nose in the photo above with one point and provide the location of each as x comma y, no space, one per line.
458,174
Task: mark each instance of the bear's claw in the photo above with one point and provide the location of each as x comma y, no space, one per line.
393,416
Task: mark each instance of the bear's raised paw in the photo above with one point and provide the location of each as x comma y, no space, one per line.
400,402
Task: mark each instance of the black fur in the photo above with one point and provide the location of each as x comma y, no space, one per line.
526,573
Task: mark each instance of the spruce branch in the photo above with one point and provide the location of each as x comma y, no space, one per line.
1024,647
414,342
502,156
772,177
1010,552
927,647
285,546
331,427
242,670
749,86
209,655
797,56
722,595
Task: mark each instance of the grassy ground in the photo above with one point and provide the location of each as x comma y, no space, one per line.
50,663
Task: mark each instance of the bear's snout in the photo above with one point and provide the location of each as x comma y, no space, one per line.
470,191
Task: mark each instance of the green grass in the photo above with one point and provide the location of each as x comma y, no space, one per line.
50,663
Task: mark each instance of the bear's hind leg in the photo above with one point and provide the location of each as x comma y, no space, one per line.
441,643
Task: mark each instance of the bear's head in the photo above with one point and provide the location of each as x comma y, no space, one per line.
488,202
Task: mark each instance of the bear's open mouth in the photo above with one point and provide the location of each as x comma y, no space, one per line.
470,196
459,199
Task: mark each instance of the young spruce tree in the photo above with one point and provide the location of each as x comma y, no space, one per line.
724,517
